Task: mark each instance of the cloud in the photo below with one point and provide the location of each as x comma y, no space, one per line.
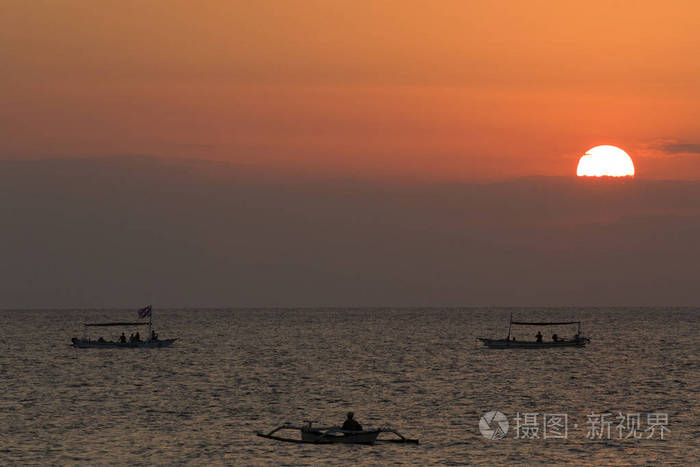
126,231
680,148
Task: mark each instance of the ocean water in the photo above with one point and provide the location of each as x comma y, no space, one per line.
233,372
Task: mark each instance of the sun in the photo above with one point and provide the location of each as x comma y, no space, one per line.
605,160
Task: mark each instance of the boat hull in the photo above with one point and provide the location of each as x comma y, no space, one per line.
149,344
314,437
509,344
334,435
360,437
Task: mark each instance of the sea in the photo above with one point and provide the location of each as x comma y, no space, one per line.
631,397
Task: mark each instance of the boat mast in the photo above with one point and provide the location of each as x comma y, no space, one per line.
150,323
510,324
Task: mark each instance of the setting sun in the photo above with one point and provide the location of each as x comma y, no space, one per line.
605,161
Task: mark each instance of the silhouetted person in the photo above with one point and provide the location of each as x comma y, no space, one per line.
122,338
137,337
154,336
351,424
555,338
539,336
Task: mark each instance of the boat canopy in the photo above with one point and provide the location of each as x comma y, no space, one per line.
540,323
117,324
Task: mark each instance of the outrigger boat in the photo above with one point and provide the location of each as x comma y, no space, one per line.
510,343
336,435
152,342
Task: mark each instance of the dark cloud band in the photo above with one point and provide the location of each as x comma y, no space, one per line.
681,148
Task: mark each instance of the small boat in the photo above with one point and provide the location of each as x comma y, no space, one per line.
86,343
152,342
335,435
510,343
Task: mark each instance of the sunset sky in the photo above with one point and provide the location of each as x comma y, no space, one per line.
449,90
347,153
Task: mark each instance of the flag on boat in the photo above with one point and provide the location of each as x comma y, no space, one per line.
145,311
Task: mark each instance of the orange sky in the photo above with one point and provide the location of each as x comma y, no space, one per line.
431,90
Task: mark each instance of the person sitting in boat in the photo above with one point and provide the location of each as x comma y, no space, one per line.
100,340
122,338
539,336
555,338
154,336
351,424
137,337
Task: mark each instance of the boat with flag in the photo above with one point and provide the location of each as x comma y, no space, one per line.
510,342
134,341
